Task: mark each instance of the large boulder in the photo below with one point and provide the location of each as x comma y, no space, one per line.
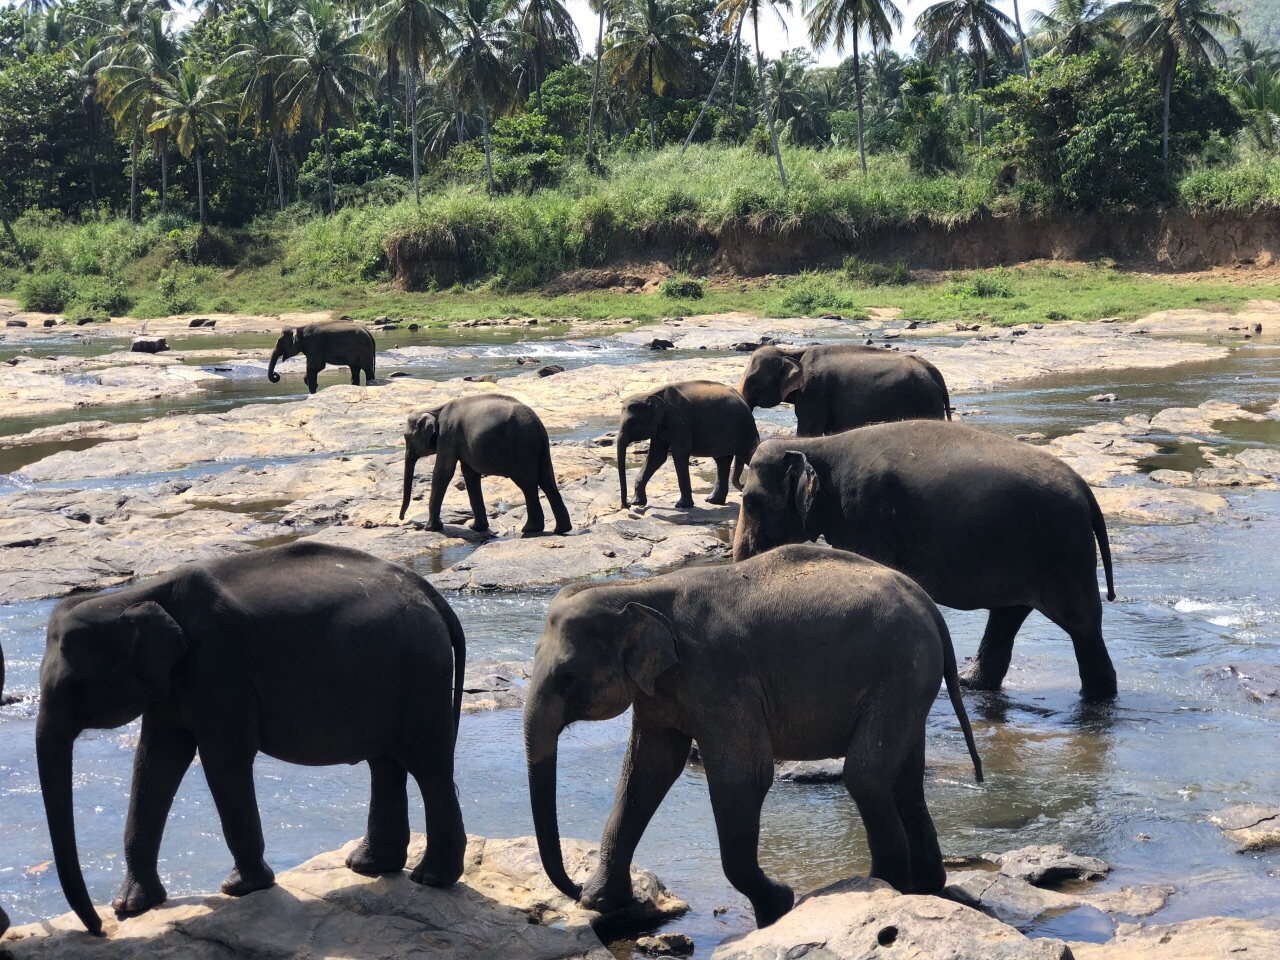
1208,938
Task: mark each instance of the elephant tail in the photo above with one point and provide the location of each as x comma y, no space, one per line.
952,677
457,640
1104,543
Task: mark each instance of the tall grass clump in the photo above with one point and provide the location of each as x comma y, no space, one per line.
812,293
1244,187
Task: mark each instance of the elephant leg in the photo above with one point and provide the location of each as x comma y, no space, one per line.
653,763
872,767
927,872
1080,614
535,521
721,492
547,481
656,457
368,372
479,512
385,846
312,377
355,374
441,477
738,786
680,460
988,668
431,765
229,771
164,755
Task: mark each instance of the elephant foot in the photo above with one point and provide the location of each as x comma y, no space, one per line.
528,533
1099,689
719,499
365,860
638,501
137,897
435,526
974,677
479,526
928,878
684,503
604,895
432,874
563,528
774,905
241,882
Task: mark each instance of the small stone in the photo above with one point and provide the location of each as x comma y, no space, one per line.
413,328
1109,320
1030,437
399,373
525,361
550,370
666,945
1103,398
481,378
50,322
15,323
149,345
890,335
912,325
746,346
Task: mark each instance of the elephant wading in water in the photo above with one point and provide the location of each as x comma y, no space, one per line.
979,521
490,435
338,343
801,654
842,387
251,653
697,418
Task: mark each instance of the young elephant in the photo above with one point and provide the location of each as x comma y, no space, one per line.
697,418
842,387
341,343
801,654
250,653
979,521
490,435
4,922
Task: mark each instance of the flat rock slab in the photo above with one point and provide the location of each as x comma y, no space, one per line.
1017,902
490,685
500,908
1047,866
1251,826
1209,938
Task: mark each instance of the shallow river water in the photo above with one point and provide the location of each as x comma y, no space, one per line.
1132,783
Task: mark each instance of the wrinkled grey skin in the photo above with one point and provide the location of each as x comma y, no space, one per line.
697,418
339,343
801,654
843,387
1,674
488,435
249,654
979,521
4,922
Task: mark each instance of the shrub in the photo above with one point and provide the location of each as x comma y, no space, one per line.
685,288
47,292
102,296
875,274
177,293
984,284
812,293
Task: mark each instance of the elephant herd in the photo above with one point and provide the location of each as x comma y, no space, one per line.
792,652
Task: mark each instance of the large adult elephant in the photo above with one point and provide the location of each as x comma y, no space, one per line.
842,387
4,922
801,654
696,418
339,343
489,435
979,521
251,653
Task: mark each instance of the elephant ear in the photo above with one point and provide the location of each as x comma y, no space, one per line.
422,429
158,644
792,377
803,484
651,646
658,406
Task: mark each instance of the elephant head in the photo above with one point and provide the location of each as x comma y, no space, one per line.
642,415
420,439
595,656
106,658
289,345
771,377
778,502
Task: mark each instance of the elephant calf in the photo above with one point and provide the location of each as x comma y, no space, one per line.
841,387
697,418
490,435
340,343
250,653
978,520
801,654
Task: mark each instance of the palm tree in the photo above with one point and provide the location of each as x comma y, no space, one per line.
264,36
321,79
1073,27
1251,59
715,84
943,26
476,61
1259,103
789,96
189,107
547,26
601,8
1022,42
648,45
736,9
85,57
837,21
1173,29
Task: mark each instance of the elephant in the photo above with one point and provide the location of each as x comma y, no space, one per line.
489,435
840,387
338,342
697,418
980,521
249,653
4,922
801,654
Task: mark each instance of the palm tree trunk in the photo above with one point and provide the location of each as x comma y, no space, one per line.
13,239
764,105
328,169
1164,133
737,68
488,157
595,84
653,140
164,173
279,172
981,75
857,89
412,81
537,75
1022,42
133,181
714,86
200,184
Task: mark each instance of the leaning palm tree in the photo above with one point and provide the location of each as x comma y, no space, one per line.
264,35
835,22
1073,27
752,9
648,47
945,25
602,9
547,28
1172,29
321,79
190,108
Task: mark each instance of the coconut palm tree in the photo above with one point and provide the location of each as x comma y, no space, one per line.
264,34
1251,59
648,46
734,45
85,58
1259,103
322,77
945,25
602,8
752,9
548,30
1073,27
189,107
837,22
1170,30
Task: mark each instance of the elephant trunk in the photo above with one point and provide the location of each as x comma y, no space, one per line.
624,441
543,721
744,546
276,355
53,759
410,462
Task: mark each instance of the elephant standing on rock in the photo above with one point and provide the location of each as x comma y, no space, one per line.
489,435
4,922
254,653
340,343
697,418
978,520
843,387
802,654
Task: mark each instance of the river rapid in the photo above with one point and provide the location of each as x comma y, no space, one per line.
1132,783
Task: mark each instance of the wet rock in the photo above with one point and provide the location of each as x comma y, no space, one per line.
861,918
50,322
1156,506
810,771
666,945
1251,826
1208,938
149,345
550,370
1201,419
494,686
482,378
1031,437
15,323
890,335
1260,682
1103,398
1048,865
526,361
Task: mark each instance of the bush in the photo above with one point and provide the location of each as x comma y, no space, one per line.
48,292
177,293
812,293
871,274
986,284
102,296
685,288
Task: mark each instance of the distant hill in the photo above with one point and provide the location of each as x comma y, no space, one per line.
1259,19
